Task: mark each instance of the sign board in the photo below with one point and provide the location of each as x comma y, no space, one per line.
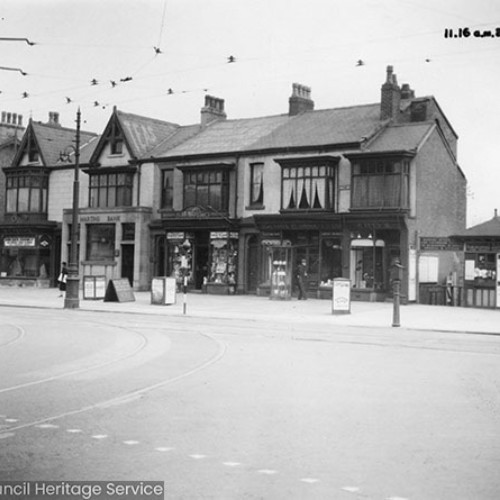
435,243
94,287
428,266
412,275
119,290
163,291
341,296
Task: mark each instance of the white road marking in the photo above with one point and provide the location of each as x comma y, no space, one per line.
163,448
397,498
231,464
131,442
267,471
11,420
309,480
350,489
198,457
47,426
100,436
74,431
6,435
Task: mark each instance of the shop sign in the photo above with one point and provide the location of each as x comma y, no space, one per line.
436,243
90,218
223,235
19,241
179,235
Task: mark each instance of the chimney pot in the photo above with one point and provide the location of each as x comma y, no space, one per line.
300,100
390,97
213,110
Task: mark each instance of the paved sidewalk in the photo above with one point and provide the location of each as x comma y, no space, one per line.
366,314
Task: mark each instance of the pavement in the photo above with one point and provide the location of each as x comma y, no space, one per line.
250,307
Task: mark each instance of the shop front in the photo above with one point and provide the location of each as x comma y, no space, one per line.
333,247
205,251
113,243
29,255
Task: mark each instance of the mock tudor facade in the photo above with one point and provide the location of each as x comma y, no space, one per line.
234,205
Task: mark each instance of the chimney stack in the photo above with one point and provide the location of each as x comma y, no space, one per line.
212,111
496,213
54,118
391,97
300,101
407,92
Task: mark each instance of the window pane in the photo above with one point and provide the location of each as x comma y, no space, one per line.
35,200
12,200
23,199
100,241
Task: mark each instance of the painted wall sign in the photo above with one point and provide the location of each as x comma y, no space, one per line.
19,241
435,244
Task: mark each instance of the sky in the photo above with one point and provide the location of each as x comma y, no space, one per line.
158,58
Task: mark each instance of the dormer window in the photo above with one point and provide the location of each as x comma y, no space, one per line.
33,155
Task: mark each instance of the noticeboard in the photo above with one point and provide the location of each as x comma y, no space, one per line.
341,296
94,287
119,290
163,291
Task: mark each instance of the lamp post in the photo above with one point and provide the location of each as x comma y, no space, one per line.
72,300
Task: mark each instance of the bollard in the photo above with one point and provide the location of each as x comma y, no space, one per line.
396,287
184,295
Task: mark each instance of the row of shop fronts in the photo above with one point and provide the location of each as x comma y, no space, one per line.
258,255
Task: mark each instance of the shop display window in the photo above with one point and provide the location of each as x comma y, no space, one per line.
180,258
281,275
25,263
367,269
224,252
331,261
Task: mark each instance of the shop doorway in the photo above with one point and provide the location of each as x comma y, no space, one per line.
252,265
128,263
201,258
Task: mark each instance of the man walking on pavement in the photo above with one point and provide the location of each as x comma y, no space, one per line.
301,276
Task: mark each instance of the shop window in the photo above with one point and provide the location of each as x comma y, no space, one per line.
100,242
23,262
26,192
308,187
167,189
111,190
367,264
331,260
256,184
223,259
380,183
207,188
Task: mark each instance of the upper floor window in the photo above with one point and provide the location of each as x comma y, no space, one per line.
115,139
256,184
167,189
207,188
380,183
111,190
307,187
27,192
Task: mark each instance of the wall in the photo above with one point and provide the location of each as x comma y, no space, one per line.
61,192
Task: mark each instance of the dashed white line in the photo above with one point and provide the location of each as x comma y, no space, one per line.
309,480
47,426
397,498
130,442
74,431
350,489
163,448
231,464
6,435
267,471
100,436
12,420
197,456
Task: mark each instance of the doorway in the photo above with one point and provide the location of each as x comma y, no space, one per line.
128,263
201,259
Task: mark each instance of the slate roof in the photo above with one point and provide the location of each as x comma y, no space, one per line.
404,137
310,129
144,134
53,140
490,228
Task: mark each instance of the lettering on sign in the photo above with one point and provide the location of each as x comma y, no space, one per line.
90,218
113,218
437,243
19,241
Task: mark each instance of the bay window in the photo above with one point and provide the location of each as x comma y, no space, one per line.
26,191
380,183
207,188
308,184
111,189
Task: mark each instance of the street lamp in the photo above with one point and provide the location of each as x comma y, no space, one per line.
72,300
